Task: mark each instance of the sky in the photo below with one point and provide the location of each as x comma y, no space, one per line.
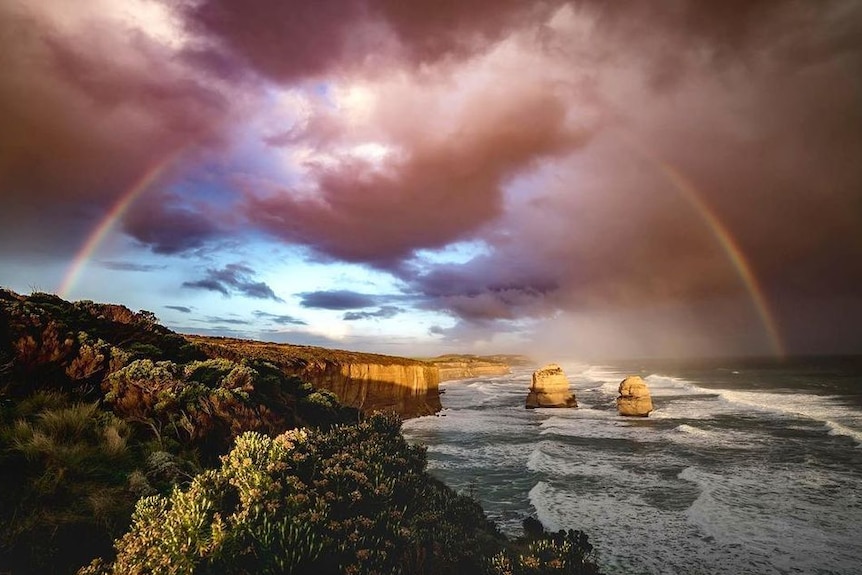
567,179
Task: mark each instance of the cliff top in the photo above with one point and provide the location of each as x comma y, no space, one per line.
497,359
290,354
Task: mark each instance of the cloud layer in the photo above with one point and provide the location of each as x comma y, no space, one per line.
623,161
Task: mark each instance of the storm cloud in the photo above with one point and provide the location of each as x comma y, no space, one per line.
233,279
683,168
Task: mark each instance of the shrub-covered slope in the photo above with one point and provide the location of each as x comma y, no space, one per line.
100,405
112,427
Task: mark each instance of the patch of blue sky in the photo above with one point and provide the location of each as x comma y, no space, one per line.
209,182
454,253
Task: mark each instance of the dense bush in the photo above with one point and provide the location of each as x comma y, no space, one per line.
101,407
540,553
354,499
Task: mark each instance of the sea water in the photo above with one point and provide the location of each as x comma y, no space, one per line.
743,467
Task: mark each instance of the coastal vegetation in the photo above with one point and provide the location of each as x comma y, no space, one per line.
125,448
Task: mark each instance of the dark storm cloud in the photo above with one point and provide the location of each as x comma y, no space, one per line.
180,308
279,319
337,300
217,320
234,279
162,223
547,130
442,192
328,35
209,285
84,115
385,312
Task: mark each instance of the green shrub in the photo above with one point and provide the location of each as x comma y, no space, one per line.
541,553
354,499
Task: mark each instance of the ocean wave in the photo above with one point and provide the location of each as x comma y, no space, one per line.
838,429
726,438
557,461
691,430
597,424
739,507
839,418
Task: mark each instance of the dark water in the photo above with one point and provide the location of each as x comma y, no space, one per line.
744,467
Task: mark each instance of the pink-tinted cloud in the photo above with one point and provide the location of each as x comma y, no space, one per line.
88,104
434,193
548,130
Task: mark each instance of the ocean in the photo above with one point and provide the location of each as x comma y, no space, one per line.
745,466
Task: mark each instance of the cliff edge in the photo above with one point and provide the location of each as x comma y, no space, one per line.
465,366
367,381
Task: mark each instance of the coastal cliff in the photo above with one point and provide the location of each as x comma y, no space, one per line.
368,381
460,366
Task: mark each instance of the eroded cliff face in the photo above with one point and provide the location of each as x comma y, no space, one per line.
370,382
464,370
463,366
411,390
634,399
550,388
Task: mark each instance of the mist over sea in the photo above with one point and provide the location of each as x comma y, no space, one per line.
745,466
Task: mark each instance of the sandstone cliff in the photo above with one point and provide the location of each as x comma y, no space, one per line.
368,381
634,399
466,366
550,388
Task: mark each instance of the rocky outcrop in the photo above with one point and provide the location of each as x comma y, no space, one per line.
368,381
634,399
550,388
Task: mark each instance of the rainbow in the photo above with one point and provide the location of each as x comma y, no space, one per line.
126,199
689,192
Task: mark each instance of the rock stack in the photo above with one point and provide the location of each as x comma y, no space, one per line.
550,388
634,399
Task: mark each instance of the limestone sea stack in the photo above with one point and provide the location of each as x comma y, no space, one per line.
634,399
550,388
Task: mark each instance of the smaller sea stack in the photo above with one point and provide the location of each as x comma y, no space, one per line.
634,399
550,388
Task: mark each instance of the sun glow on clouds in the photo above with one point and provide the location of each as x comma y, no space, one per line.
156,20
355,102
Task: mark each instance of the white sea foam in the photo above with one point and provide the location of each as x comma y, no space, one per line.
628,532
726,438
596,424
840,419
838,429
691,430
777,512
554,461
665,500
